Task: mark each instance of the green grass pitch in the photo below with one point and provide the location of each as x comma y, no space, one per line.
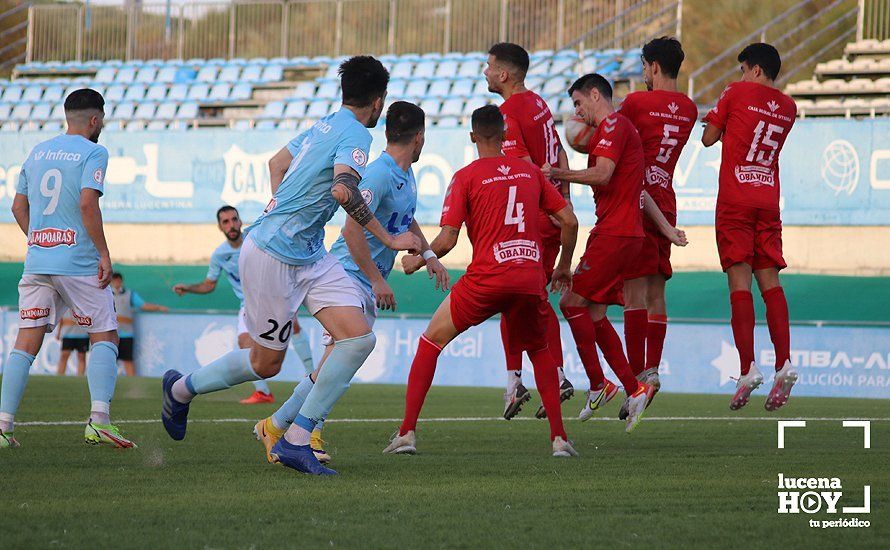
693,474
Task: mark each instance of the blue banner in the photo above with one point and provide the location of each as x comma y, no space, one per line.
833,172
698,358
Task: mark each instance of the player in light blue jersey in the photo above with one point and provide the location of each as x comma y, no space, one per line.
225,260
390,191
284,265
67,265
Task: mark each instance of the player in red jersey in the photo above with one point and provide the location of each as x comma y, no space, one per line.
499,198
615,171
664,118
753,119
531,136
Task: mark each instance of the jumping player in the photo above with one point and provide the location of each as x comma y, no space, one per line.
284,264
531,136
753,119
499,199
225,260
664,118
390,191
67,265
615,171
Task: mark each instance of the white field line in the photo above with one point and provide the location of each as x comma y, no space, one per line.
462,419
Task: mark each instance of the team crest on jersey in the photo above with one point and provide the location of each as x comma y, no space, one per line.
82,320
270,206
503,169
367,195
673,108
99,176
52,237
772,106
609,129
519,249
539,103
34,313
359,156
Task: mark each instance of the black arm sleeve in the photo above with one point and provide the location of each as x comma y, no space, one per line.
354,205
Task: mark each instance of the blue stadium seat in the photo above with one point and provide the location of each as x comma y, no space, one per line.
135,92
105,74
447,68
9,127
272,73
12,93
463,87
166,111
32,93
440,88
431,106
471,68
329,89
185,75
21,112
53,94
230,73
198,92
145,111
318,109
566,106
402,69
158,92
147,75
241,92
331,71
59,112
448,122
539,68
424,69
241,125
480,88
588,65
417,87
207,73
295,109
125,75
109,109
452,107
220,92
124,111
157,125
252,73
98,88
52,126
473,104
273,109
115,93
187,111
534,82
562,65
265,125
554,86
305,89
396,88
5,109
178,92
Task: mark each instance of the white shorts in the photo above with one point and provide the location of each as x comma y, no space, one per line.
274,291
369,308
44,300
242,324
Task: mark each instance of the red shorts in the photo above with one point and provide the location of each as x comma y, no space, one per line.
749,235
655,256
525,314
605,265
549,255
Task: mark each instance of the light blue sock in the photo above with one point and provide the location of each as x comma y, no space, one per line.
229,370
15,378
300,343
288,410
262,386
333,380
320,425
102,371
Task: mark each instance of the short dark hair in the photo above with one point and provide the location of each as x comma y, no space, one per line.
84,99
363,79
763,55
488,122
403,121
511,54
117,275
589,82
224,208
667,52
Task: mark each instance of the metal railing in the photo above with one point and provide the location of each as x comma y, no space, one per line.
264,28
874,20
806,25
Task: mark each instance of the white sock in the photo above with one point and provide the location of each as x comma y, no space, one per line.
100,412
514,378
181,392
6,422
295,435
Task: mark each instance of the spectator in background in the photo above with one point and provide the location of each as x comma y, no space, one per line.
74,338
127,303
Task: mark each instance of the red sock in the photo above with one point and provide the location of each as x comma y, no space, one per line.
584,332
514,360
655,334
635,325
547,382
554,343
743,327
613,353
778,321
420,378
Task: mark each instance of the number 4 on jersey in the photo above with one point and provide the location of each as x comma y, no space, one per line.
513,206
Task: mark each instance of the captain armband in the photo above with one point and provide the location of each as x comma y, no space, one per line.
354,205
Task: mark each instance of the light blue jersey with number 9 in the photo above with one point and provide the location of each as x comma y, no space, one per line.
292,227
52,178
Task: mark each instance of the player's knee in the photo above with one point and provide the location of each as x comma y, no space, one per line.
363,345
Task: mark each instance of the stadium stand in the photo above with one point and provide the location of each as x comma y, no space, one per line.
856,85
279,92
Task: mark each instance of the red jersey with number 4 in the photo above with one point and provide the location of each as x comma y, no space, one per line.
664,120
531,132
619,203
756,121
500,199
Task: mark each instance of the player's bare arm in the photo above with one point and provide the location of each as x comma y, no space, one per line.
354,235
92,221
154,307
346,192
600,174
204,287
21,212
562,162
561,281
444,242
278,166
676,236
433,266
711,135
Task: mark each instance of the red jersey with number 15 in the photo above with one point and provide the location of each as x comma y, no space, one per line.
756,121
500,199
664,120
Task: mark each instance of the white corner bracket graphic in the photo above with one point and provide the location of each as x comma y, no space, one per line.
866,430
788,424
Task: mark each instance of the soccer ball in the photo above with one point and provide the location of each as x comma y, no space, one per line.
578,134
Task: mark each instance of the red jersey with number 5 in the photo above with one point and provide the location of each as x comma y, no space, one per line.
500,199
664,120
531,132
756,121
